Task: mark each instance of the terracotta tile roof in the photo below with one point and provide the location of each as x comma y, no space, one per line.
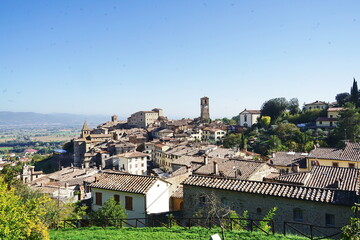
335,109
325,177
244,168
351,152
124,182
187,160
331,196
252,111
317,103
178,193
286,159
132,155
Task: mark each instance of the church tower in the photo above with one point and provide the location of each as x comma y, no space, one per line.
204,104
85,131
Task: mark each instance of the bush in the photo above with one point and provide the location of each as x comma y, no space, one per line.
265,225
20,218
109,214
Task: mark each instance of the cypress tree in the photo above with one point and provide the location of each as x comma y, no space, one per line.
354,94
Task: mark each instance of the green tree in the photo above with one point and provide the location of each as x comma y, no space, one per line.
342,98
352,231
348,125
264,121
294,106
286,131
232,140
20,219
109,214
354,94
274,108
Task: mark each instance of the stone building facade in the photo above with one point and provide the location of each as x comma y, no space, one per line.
322,207
143,119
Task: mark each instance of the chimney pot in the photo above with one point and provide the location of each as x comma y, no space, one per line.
216,168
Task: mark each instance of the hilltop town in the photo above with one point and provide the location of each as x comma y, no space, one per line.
303,162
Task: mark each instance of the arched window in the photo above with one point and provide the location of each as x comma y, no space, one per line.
298,215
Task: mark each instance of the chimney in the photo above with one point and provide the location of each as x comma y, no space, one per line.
338,183
295,168
206,159
216,168
66,185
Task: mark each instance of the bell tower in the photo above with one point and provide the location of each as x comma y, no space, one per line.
204,104
85,131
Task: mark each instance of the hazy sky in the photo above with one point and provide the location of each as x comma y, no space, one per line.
119,57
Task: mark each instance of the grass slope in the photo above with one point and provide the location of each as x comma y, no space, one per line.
159,233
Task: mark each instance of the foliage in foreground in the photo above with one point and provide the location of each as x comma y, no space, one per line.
175,233
19,218
352,231
107,215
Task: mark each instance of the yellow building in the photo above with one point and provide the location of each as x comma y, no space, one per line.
348,157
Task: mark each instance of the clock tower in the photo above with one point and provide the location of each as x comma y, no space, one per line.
204,104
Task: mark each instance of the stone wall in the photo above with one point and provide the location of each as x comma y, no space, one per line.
259,205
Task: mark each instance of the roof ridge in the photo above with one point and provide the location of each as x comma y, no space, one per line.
267,183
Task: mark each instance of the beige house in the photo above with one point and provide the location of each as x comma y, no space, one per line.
216,135
248,117
347,157
143,119
316,105
331,119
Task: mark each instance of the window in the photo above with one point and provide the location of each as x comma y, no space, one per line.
245,118
335,164
331,116
351,165
128,203
298,215
329,219
98,198
320,122
117,198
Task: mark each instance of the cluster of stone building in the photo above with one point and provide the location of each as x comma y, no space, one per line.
153,165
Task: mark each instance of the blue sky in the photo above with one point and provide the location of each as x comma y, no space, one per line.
119,57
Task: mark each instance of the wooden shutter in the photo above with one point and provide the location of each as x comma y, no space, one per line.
98,198
128,203
117,198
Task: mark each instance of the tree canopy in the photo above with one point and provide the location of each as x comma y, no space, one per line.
21,218
274,108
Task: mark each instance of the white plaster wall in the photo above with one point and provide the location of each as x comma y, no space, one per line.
157,198
138,201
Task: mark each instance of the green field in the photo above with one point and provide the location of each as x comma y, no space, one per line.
6,148
159,233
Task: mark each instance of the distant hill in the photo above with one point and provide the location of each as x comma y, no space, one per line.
54,119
